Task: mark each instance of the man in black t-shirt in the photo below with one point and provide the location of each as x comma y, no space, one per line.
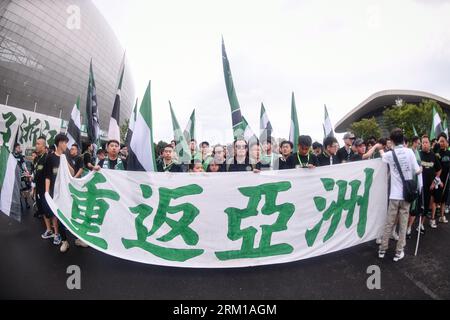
167,164
441,194
76,161
344,154
50,172
39,181
285,161
304,159
431,178
113,161
88,158
328,157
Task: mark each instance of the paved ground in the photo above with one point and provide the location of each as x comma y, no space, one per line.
31,268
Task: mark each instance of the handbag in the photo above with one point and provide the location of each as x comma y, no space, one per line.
410,192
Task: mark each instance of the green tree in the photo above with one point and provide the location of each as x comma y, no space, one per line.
366,128
409,115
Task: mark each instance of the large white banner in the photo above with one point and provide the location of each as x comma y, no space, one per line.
32,125
224,220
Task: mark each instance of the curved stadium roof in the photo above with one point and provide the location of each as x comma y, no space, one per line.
378,101
43,61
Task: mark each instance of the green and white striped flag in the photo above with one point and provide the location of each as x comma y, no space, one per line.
114,122
295,131
141,155
328,127
415,131
10,180
189,132
445,127
265,126
236,115
131,125
92,110
436,127
182,149
74,127
249,135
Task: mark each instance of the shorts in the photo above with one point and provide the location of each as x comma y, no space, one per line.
39,206
43,207
439,195
416,209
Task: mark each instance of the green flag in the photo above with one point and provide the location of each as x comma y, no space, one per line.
249,135
415,131
436,127
265,126
328,127
131,124
189,132
182,148
141,155
92,110
295,131
445,127
236,115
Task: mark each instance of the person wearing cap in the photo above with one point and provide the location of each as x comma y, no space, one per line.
305,158
361,153
344,154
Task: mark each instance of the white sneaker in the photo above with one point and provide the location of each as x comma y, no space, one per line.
399,256
443,219
395,236
381,254
64,246
80,243
433,224
408,231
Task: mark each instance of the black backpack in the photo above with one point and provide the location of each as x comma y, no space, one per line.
410,190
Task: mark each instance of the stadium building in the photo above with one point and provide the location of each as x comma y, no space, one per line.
378,102
45,50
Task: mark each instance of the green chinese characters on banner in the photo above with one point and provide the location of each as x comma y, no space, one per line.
9,119
178,228
270,207
30,129
336,208
89,209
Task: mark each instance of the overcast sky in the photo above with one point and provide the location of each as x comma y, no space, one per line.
336,53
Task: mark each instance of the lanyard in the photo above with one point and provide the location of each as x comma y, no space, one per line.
167,167
300,161
42,155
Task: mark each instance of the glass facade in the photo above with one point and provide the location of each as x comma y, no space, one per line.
45,50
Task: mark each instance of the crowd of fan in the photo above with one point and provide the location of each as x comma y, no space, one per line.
431,157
